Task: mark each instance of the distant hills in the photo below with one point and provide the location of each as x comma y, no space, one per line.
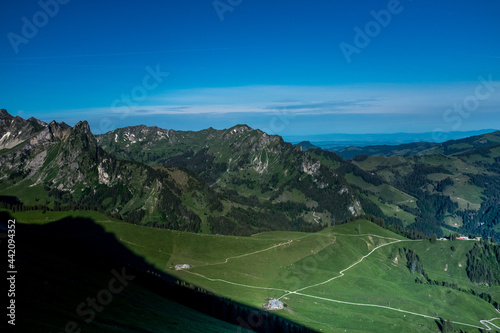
454,185
441,188
240,181
336,141
306,145
424,148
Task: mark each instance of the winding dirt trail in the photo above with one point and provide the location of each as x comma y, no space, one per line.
346,269
487,323
249,254
316,218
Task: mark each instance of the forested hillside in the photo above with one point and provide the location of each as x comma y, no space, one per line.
456,191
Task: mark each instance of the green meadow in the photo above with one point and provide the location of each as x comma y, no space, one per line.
349,277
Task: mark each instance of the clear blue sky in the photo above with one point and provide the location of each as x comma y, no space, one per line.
294,67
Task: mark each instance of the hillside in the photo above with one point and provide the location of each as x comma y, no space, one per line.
322,278
439,194
355,276
54,288
445,188
246,166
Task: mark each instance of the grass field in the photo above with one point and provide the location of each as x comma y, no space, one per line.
32,195
56,275
348,277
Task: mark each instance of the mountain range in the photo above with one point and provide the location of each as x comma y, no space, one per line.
234,181
240,181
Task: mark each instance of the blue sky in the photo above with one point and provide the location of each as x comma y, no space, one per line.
295,67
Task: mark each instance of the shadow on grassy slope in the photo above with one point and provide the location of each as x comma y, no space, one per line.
73,276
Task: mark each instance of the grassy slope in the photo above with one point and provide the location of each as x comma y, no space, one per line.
290,261
31,195
137,308
61,284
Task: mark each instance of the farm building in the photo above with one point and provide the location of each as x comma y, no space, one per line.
273,304
183,266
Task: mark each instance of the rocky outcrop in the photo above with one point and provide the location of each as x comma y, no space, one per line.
16,130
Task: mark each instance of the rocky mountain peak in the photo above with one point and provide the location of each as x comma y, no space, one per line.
80,137
15,130
37,121
59,130
5,115
238,129
5,121
82,126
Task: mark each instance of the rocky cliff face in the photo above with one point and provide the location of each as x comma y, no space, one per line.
34,142
15,130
